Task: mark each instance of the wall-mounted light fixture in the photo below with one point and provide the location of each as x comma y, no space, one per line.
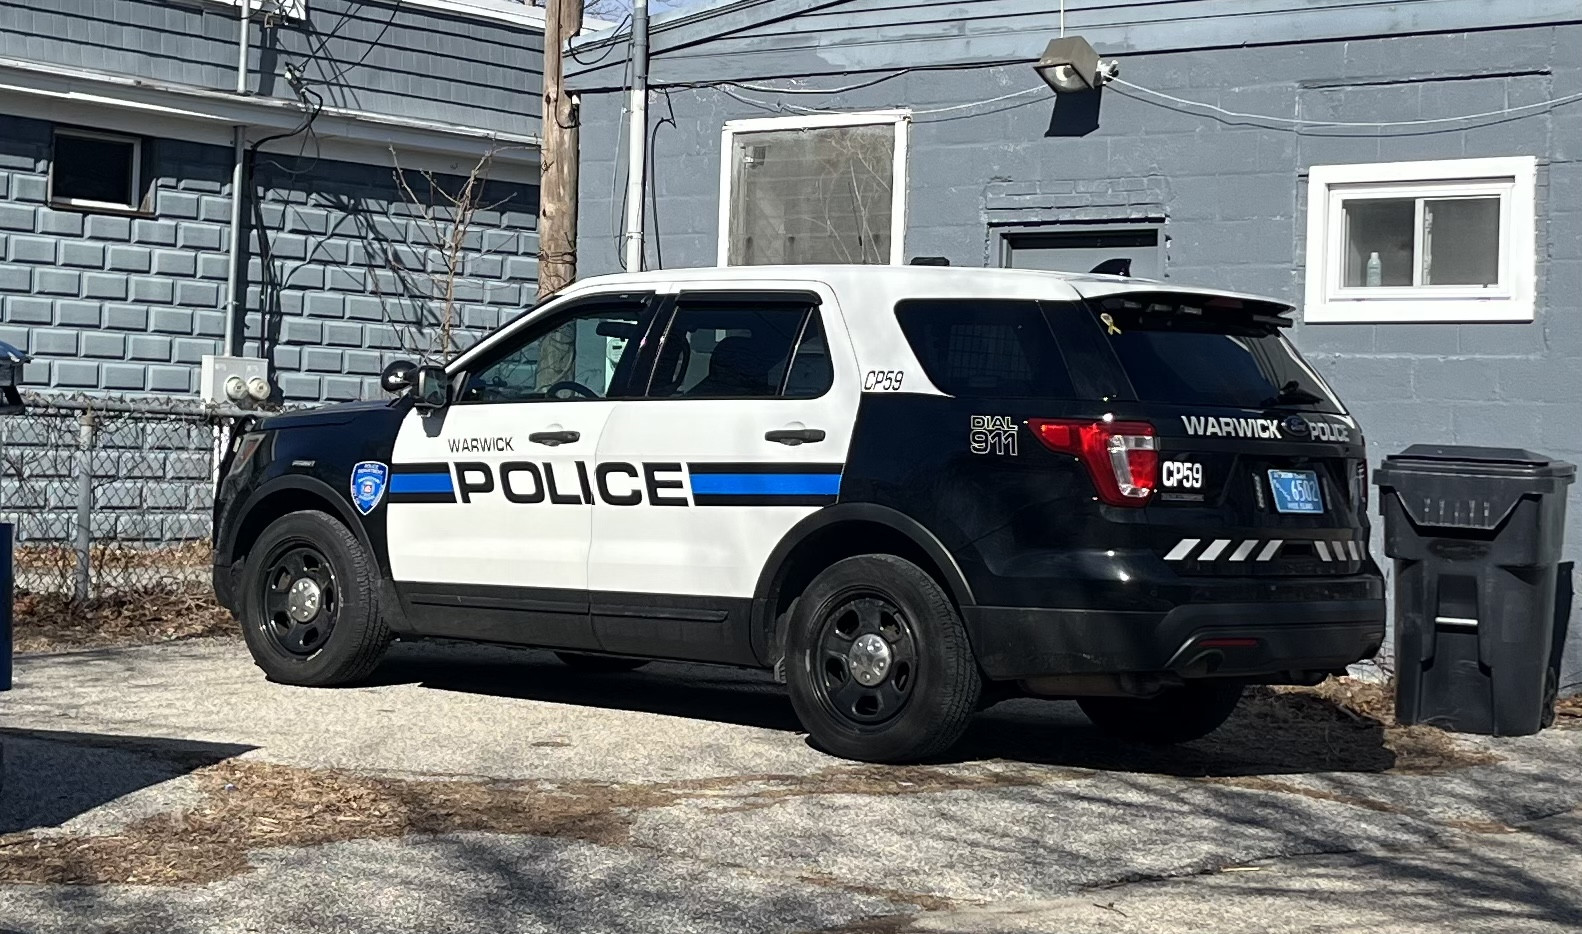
1071,65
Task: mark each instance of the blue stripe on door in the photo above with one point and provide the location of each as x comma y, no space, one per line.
421,483
766,484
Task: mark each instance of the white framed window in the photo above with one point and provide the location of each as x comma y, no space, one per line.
1451,240
96,171
821,188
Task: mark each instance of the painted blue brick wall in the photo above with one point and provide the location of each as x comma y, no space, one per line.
1232,193
350,266
343,280
355,280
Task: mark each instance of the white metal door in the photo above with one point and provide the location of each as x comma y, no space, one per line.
497,488
727,473
506,494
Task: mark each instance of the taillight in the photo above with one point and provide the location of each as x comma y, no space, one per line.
1120,456
245,449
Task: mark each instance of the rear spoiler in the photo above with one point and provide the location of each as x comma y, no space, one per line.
1249,308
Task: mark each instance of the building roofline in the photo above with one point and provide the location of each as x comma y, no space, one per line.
189,102
518,12
681,44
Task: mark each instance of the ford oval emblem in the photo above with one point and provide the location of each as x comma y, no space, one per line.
1296,425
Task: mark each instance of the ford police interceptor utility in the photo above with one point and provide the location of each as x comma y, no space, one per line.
909,491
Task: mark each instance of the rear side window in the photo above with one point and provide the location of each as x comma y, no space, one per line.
719,348
975,347
1185,355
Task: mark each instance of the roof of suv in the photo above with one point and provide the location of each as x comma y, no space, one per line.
919,281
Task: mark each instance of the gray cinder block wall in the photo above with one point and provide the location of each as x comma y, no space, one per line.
121,306
131,304
1231,192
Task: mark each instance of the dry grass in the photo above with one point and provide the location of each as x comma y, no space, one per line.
51,555
1568,712
51,622
1349,706
251,805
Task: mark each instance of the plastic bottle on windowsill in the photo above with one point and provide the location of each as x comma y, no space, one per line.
1375,271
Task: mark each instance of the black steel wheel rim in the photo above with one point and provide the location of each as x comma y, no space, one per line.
852,622
300,599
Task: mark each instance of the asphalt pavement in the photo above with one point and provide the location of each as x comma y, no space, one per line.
683,798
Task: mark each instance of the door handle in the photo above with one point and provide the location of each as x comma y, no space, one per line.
553,438
795,436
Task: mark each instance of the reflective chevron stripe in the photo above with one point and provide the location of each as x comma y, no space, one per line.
1259,549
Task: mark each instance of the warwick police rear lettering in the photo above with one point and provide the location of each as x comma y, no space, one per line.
617,484
1232,427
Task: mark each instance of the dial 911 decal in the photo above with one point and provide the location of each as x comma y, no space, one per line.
993,434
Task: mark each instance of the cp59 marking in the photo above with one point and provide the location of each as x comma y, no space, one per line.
883,380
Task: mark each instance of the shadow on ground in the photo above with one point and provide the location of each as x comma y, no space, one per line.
1304,734
53,776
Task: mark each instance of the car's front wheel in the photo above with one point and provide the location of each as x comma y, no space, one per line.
309,611
1174,715
878,664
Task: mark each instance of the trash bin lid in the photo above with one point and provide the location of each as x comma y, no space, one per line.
1469,460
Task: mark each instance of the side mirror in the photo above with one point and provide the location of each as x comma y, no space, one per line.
397,377
431,387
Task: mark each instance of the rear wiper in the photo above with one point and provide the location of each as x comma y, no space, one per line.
1292,394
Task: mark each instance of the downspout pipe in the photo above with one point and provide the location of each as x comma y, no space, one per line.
236,276
637,140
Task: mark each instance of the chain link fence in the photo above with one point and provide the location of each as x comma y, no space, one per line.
111,498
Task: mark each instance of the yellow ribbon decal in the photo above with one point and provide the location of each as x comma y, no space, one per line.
1109,323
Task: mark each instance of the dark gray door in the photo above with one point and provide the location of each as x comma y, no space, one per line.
1082,250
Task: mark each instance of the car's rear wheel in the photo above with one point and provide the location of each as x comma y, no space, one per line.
1174,715
309,611
878,664
600,664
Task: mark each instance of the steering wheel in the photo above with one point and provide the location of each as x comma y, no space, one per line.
574,386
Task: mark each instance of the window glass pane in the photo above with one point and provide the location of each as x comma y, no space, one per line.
1379,241
1210,358
812,196
811,374
720,351
589,356
93,170
1461,241
985,348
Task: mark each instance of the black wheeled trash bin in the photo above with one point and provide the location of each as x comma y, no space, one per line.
1476,535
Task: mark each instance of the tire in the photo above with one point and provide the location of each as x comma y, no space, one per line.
1174,715
600,664
344,638
927,687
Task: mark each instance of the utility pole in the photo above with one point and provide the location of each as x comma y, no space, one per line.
557,207
637,140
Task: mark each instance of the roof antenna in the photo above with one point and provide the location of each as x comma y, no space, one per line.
1120,266
930,261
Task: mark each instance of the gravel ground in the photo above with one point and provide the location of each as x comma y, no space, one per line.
491,790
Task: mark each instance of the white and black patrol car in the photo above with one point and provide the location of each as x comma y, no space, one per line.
910,491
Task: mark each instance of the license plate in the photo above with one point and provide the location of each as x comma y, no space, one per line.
1296,491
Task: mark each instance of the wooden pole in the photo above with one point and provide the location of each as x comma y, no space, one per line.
557,210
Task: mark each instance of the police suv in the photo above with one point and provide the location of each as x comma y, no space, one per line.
908,491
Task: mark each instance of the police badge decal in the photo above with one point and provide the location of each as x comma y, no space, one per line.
369,480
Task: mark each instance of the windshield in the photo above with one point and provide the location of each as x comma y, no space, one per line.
1193,356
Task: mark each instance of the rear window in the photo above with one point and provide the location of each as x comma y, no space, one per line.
1185,355
974,347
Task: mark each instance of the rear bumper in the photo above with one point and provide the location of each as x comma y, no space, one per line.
1193,640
